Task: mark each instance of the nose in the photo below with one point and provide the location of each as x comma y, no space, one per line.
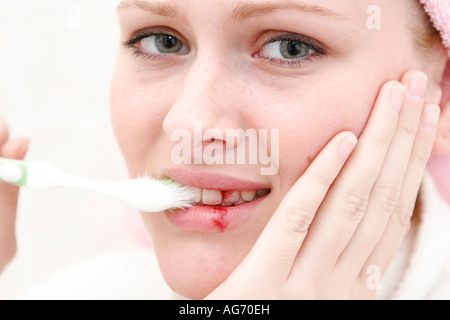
205,100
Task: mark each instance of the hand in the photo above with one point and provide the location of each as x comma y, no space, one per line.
14,149
346,217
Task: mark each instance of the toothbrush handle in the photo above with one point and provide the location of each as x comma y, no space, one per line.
104,187
13,172
146,195
32,174
43,176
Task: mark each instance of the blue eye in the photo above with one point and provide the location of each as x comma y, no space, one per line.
286,49
155,45
291,49
163,43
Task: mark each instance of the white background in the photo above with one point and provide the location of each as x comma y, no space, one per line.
56,61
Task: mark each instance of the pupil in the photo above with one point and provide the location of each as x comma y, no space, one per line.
169,41
168,44
294,48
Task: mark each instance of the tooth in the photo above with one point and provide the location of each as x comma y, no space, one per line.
197,194
230,196
211,197
226,204
248,195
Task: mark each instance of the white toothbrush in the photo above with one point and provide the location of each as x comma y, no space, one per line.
144,194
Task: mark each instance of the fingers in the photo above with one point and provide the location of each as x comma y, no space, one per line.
275,250
15,149
4,133
400,221
348,199
386,192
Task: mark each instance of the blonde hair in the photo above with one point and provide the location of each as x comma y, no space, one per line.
427,38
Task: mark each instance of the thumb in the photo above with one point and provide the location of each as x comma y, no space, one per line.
16,149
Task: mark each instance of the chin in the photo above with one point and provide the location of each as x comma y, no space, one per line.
193,264
195,259
192,286
194,271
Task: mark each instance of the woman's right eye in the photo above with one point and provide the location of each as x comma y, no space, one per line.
157,45
163,43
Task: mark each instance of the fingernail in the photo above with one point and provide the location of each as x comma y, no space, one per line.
418,85
430,118
398,97
347,146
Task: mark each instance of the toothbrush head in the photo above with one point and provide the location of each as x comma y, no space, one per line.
183,196
147,194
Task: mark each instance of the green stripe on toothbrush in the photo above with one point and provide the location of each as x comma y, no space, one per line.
167,182
23,173
23,180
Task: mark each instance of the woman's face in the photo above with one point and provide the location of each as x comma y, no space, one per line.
303,70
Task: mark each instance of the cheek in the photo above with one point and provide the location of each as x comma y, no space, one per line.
312,118
137,113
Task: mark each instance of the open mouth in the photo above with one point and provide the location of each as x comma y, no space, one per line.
221,202
226,198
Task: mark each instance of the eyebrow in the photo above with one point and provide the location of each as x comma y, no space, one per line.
155,7
241,12
245,11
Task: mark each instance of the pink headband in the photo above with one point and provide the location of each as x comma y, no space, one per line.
439,11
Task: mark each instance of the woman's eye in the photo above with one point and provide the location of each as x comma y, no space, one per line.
156,45
286,49
293,50
163,43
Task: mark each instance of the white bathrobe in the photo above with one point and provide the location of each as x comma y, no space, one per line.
421,269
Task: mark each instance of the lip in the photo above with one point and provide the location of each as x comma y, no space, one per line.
212,180
212,219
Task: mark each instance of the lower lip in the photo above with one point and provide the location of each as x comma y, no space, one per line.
212,219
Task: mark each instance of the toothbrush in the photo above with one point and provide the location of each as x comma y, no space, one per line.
144,194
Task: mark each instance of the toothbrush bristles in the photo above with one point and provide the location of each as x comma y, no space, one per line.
184,195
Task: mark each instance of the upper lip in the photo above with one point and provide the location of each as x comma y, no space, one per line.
212,180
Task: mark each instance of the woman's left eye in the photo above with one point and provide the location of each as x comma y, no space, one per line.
290,51
286,49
